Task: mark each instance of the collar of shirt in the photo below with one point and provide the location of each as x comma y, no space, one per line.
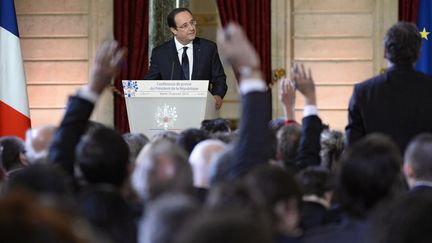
179,46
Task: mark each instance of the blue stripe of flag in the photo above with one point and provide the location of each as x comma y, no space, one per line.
424,20
8,17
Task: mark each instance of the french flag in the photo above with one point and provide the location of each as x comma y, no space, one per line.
14,111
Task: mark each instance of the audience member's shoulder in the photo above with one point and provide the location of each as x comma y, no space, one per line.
347,230
425,77
375,80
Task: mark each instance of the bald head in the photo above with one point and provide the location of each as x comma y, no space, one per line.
201,159
38,141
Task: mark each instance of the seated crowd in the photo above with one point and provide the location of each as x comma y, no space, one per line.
277,181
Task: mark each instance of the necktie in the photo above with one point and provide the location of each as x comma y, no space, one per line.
185,64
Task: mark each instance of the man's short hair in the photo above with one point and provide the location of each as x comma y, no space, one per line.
271,185
189,138
406,220
402,43
103,156
215,125
419,155
315,180
10,149
135,141
171,16
162,167
164,218
288,142
371,169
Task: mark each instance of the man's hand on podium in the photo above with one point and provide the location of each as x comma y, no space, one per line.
218,102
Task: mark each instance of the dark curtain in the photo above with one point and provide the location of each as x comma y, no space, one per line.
131,21
254,16
408,10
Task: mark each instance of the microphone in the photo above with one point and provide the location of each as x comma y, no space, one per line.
172,70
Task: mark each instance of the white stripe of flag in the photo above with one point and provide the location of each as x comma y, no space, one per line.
13,90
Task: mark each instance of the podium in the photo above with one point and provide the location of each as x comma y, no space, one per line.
160,105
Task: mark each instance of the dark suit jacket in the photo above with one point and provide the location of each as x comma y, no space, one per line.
313,215
253,147
68,135
97,204
308,153
165,65
397,103
348,230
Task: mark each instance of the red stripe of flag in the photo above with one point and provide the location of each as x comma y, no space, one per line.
13,122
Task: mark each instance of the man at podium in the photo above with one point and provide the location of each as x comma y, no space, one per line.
187,57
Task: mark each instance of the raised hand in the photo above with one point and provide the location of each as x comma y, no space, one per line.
237,50
304,83
287,96
109,57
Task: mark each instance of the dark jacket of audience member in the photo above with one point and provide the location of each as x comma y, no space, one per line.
317,188
369,176
407,220
103,157
397,102
277,191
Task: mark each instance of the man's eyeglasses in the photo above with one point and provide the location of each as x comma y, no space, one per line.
186,25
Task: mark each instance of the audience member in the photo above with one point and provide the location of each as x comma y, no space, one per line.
227,227
44,181
135,142
103,157
397,102
277,191
317,188
299,147
232,195
408,220
227,138
418,162
253,146
219,170
23,219
12,151
216,125
201,159
332,146
168,135
164,218
100,153
162,167
189,138
370,172
37,142
276,124
288,138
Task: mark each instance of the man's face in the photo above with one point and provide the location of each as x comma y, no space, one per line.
185,31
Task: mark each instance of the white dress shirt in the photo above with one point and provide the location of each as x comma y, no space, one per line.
189,52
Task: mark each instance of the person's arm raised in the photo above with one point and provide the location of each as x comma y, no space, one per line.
254,140
287,96
79,108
